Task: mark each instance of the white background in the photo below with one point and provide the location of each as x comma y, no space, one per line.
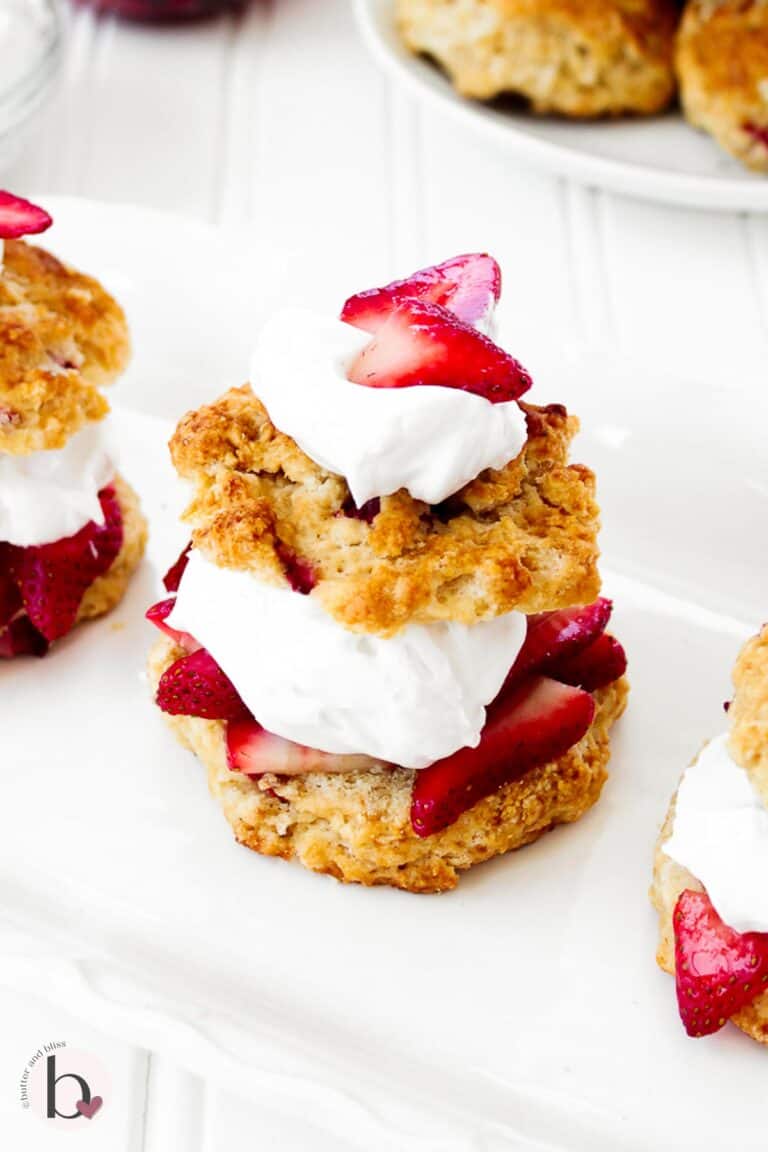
280,122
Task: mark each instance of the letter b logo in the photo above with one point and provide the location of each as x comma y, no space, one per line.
83,1092
68,1088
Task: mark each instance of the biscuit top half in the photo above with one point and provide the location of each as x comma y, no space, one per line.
522,537
748,713
723,47
62,338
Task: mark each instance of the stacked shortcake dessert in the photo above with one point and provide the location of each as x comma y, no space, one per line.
71,532
386,641
711,866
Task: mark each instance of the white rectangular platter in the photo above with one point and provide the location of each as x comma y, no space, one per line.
525,1009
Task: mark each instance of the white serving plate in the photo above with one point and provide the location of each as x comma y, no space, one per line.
658,158
524,1010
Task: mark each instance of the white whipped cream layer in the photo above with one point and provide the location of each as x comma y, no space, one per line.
430,440
410,699
47,496
721,835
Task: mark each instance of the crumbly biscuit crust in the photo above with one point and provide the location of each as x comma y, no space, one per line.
722,65
523,537
748,714
669,880
356,827
578,58
106,592
62,338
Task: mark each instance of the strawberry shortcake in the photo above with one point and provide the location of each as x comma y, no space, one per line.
711,863
386,641
71,532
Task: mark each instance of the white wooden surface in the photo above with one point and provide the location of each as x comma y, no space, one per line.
277,119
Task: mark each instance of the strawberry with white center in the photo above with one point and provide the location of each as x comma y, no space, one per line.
254,751
718,971
418,343
469,286
428,330
19,217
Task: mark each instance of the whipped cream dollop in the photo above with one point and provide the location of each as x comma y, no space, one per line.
409,700
430,440
721,835
47,496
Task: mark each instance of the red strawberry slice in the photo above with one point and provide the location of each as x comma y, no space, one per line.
600,663
19,217
553,636
21,638
195,686
535,723
422,343
159,613
469,286
173,576
717,971
254,751
53,578
10,597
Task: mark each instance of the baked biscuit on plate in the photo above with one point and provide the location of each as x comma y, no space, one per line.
386,641
580,59
722,67
71,531
709,883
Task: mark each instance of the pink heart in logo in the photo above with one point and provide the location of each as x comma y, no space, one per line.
89,1110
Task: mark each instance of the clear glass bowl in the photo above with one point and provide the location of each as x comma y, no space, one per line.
30,50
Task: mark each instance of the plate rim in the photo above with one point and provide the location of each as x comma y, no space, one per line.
638,181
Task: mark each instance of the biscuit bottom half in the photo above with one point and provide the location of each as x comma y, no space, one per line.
356,826
669,880
108,590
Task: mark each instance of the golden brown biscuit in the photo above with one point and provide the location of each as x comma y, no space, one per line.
722,67
106,592
572,57
523,537
62,338
748,714
357,827
669,880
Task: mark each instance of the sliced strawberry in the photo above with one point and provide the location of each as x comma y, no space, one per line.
195,686
717,971
469,286
159,613
536,722
554,636
21,638
19,217
53,578
422,343
600,663
173,576
10,597
254,751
